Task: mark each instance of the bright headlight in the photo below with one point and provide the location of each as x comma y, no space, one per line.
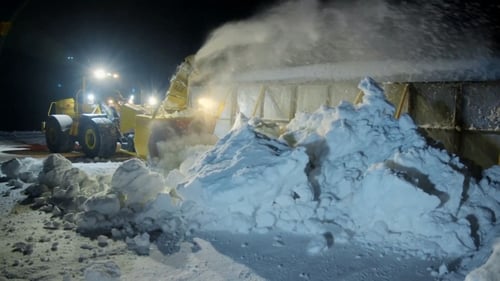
100,73
207,104
90,98
131,99
152,100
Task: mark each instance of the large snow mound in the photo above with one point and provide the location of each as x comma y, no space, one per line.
250,181
351,170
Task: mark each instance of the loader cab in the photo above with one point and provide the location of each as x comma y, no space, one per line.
102,99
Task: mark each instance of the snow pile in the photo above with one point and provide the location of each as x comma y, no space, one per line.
105,202
355,171
253,180
377,177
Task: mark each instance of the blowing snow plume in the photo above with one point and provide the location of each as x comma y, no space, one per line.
306,32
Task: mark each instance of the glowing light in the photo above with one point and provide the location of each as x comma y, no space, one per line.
110,101
90,98
152,100
131,99
207,103
100,73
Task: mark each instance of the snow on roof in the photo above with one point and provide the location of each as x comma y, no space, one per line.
386,70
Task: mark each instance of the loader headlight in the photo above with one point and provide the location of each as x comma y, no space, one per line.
100,73
152,100
131,99
90,98
207,104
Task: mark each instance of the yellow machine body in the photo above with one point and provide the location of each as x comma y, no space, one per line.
68,107
64,106
177,94
172,118
128,114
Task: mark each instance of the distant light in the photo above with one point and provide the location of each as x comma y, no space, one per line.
152,100
90,98
131,99
100,73
110,101
70,58
115,75
59,85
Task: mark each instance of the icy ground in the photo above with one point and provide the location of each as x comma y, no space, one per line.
346,193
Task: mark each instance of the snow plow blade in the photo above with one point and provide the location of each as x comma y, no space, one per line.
150,132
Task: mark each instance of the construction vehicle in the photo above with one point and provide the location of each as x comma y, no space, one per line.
102,128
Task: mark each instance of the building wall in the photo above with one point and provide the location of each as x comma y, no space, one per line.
463,117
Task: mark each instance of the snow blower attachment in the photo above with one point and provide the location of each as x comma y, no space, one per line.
103,128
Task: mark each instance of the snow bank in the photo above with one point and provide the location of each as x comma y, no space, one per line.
353,166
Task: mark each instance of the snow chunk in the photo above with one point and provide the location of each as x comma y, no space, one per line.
134,183
53,170
140,243
106,204
11,168
102,271
75,182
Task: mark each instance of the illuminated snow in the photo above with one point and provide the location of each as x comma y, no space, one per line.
353,175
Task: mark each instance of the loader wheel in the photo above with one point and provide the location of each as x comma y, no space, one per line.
57,138
98,137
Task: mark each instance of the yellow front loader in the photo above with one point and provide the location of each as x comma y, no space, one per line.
101,129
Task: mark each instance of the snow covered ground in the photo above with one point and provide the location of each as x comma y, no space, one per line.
345,193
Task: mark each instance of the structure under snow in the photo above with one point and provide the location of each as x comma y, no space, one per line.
350,172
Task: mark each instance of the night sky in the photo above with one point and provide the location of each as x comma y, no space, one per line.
51,44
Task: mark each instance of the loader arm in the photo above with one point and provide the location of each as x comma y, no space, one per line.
177,98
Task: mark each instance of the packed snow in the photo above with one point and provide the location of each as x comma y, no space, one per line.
350,176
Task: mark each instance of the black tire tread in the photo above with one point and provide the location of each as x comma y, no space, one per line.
63,142
106,137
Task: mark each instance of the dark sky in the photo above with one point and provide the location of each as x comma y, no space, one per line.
142,40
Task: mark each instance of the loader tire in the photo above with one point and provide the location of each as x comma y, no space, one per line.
98,137
57,135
